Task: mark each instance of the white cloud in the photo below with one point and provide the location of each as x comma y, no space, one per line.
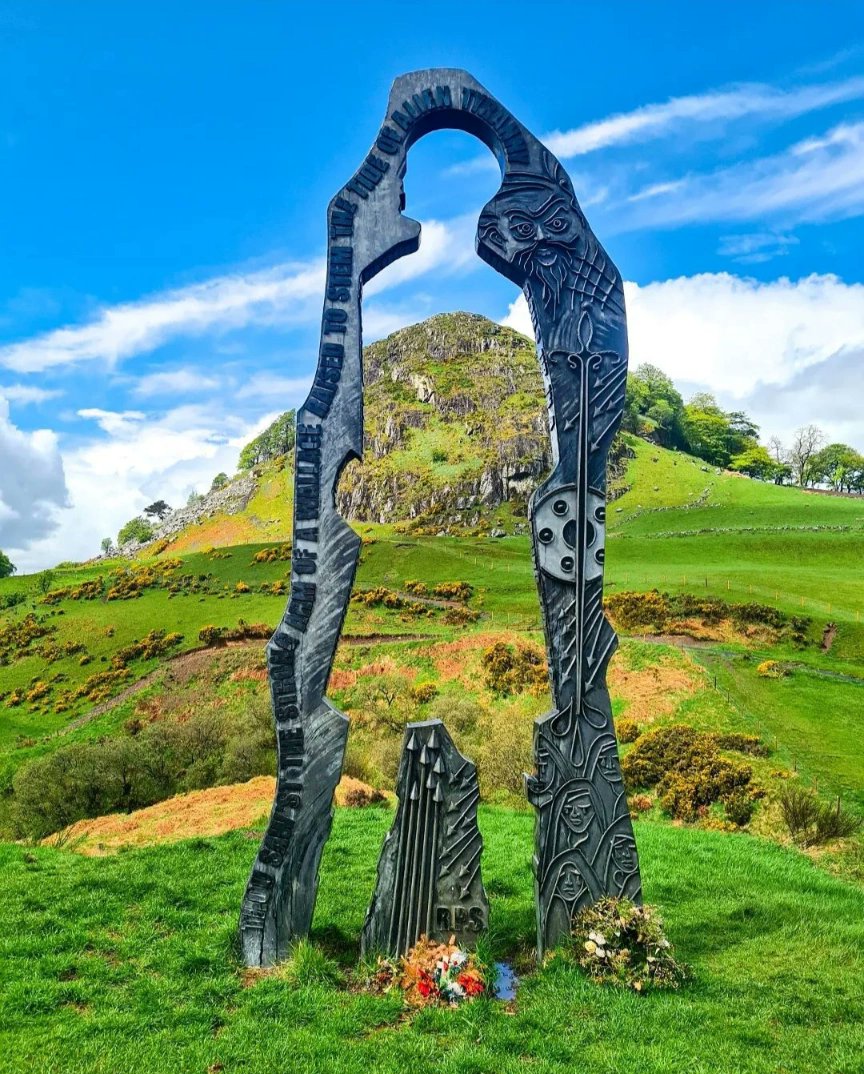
113,422
283,294
755,248
447,244
111,478
289,391
745,340
32,485
27,393
225,302
816,179
174,382
719,107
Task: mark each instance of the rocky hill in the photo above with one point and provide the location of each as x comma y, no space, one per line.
455,425
456,440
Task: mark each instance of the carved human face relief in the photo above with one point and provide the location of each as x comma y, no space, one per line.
577,811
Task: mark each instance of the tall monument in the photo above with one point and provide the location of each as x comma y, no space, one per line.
533,232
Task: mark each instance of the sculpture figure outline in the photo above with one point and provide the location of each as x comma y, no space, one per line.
534,233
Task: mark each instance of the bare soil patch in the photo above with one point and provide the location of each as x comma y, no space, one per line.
654,691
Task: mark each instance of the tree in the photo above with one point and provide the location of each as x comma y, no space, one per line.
106,545
654,406
136,529
776,449
805,444
194,498
277,439
707,434
837,465
7,567
742,425
158,509
219,482
780,455
661,416
755,462
44,581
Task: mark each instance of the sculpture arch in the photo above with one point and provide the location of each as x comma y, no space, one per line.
534,233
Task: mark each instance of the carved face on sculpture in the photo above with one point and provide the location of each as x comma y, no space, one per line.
577,811
607,764
534,229
571,886
623,859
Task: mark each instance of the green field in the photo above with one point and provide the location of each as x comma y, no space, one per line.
681,526
126,963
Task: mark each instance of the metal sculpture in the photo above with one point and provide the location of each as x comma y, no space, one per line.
429,881
534,233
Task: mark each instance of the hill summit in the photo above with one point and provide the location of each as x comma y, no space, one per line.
455,424
456,440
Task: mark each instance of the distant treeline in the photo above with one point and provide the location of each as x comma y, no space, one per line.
654,409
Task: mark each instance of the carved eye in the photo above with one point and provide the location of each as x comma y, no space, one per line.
557,223
523,229
493,235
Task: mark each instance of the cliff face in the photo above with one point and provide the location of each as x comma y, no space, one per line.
456,440
455,426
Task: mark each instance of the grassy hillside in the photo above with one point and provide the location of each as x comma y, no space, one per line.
679,527
126,963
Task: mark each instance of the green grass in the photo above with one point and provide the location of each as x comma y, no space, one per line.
126,963
816,722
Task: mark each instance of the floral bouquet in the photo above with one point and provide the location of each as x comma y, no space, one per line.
625,944
433,974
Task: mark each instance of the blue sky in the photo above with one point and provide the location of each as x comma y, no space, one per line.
166,169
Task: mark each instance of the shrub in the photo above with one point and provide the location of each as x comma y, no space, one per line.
625,945
361,797
273,555
16,638
98,687
37,691
152,760
771,669
742,743
136,529
149,647
383,702
241,587
211,635
640,803
632,611
688,771
424,692
460,591
685,794
460,616
627,730
739,806
811,822
415,587
509,669
833,822
664,750
503,752
459,711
